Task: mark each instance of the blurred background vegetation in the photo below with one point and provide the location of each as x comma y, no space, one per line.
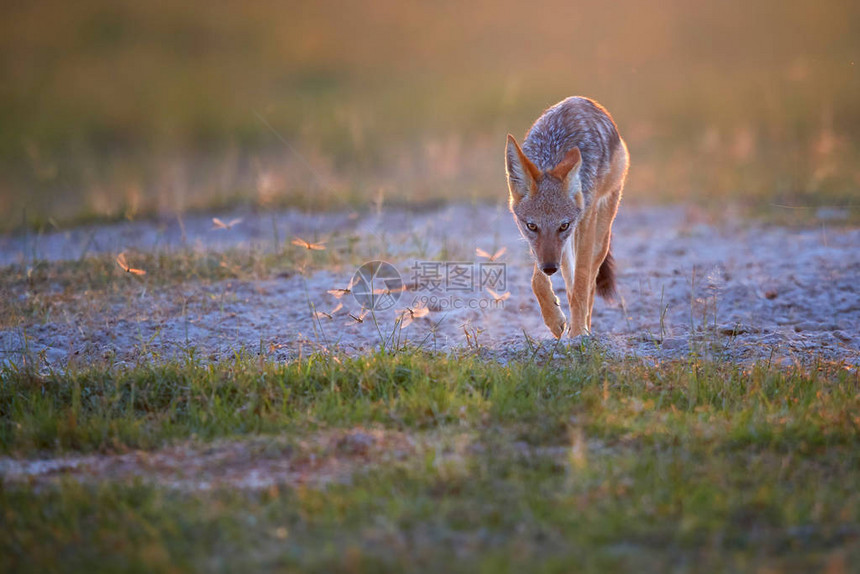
120,108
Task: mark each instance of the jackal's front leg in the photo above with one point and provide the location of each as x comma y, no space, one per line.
550,309
578,279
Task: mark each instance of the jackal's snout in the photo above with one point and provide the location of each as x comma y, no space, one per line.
549,268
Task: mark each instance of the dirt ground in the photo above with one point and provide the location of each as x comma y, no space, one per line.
254,464
687,287
732,290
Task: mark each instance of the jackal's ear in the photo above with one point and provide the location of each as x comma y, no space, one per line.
567,171
522,173
569,166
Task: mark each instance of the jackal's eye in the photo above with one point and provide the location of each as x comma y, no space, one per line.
564,226
531,226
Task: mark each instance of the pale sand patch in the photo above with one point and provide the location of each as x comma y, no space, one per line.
735,291
316,460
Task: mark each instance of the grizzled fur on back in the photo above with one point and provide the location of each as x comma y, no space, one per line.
574,122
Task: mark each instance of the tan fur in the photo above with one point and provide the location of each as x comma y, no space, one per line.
550,307
531,173
591,243
541,206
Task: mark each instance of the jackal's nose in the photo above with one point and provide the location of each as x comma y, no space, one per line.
549,268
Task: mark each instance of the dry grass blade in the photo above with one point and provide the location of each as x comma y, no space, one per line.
504,296
338,293
481,253
218,224
408,315
308,245
330,314
356,319
123,264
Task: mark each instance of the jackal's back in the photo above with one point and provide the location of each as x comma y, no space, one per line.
574,122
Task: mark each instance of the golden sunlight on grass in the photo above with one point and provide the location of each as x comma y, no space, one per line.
120,109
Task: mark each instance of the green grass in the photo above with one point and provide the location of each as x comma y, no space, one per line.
118,109
643,511
576,463
100,408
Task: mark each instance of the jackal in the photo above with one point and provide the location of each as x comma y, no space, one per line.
565,185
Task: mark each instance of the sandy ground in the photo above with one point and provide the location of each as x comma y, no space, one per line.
333,456
734,291
258,463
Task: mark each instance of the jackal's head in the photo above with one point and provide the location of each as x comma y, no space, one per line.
547,205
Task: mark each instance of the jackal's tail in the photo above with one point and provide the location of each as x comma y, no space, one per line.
606,278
